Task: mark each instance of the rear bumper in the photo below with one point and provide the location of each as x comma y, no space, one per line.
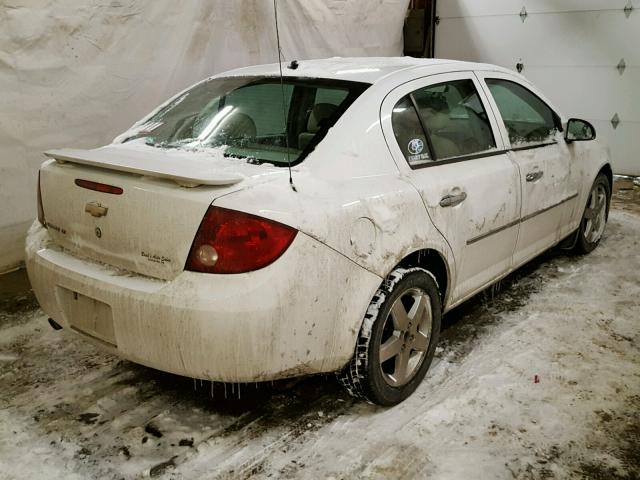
298,316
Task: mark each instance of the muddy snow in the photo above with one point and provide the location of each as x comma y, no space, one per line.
536,379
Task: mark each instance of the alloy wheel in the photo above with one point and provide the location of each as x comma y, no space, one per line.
595,214
406,336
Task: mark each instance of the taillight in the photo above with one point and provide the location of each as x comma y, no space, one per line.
40,209
229,241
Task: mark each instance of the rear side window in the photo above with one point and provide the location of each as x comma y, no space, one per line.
528,119
448,119
409,133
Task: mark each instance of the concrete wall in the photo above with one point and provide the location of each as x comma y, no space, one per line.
569,48
75,73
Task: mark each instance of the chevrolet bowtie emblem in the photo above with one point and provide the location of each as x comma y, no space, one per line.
95,209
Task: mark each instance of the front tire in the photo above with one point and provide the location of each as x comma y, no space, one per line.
397,339
594,218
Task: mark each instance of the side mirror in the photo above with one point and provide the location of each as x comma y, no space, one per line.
579,131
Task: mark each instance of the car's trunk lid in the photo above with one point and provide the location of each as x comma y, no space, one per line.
149,227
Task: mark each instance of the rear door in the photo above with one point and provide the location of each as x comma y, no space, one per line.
443,136
548,183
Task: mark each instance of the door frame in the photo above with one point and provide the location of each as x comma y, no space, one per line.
482,76
406,88
386,108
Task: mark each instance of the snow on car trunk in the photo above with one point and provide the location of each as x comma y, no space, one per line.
134,206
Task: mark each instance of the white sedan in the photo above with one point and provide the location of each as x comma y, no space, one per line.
255,228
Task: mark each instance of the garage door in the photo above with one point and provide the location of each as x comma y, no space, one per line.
584,54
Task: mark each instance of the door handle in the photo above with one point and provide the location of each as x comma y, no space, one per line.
453,200
533,176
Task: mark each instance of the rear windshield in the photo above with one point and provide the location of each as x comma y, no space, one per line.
255,118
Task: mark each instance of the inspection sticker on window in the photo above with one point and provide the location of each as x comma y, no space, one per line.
415,149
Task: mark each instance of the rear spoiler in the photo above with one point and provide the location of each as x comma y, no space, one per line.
187,169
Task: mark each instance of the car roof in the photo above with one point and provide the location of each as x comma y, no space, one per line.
360,69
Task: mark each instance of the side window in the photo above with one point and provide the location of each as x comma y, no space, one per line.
409,133
455,121
527,118
454,118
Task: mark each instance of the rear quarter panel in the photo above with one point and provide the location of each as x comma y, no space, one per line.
350,195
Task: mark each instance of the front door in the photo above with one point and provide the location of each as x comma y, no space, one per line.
441,133
549,189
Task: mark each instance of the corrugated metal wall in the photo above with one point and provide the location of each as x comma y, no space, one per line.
571,49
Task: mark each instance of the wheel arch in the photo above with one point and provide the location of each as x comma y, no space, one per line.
435,262
608,171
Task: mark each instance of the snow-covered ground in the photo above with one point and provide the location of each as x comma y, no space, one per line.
538,379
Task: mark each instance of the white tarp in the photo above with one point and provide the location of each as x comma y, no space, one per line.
75,73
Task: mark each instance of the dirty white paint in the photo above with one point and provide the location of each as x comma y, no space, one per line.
76,73
71,411
162,163
497,192
359,208
492,186
569,48
284,320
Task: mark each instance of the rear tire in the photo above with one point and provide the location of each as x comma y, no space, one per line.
397,339
594,218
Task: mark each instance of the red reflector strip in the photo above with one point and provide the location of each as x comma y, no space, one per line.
98,187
